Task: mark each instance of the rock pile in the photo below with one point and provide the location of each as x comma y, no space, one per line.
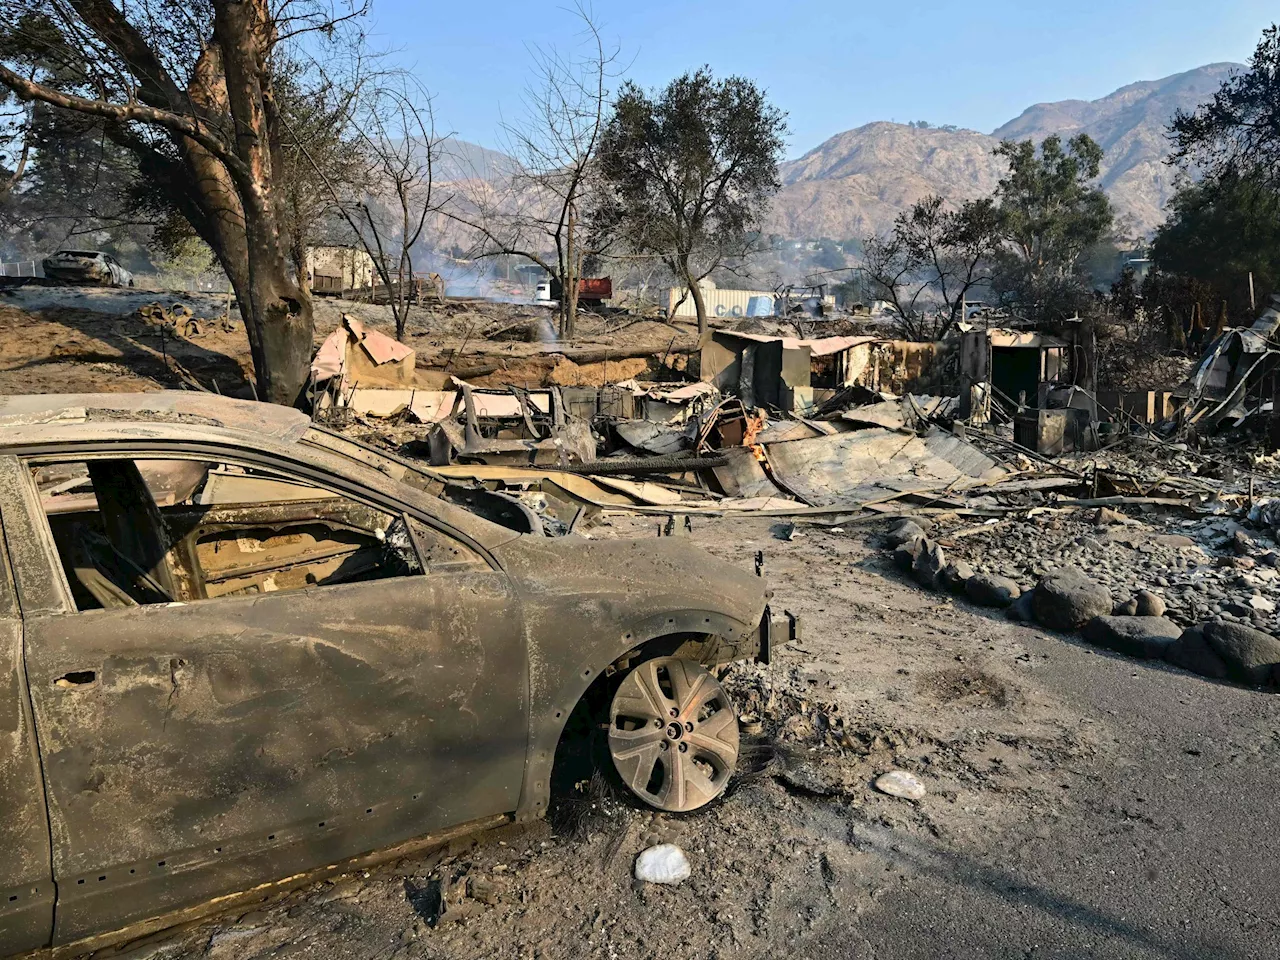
1228,651
1067,600
1190,576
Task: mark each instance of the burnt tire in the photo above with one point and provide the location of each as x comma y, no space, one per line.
672,734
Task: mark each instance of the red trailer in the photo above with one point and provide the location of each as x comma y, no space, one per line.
590,290
595,288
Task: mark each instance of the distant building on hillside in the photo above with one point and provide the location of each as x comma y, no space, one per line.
335,268
1141,267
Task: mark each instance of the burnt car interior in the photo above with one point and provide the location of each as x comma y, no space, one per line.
132,532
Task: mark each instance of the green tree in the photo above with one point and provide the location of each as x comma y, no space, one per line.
77,187
828,256
186,259
1239,128
1051,214
1227,226
854,290
687,172
1220,230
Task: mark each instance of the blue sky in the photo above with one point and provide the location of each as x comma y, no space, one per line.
830,65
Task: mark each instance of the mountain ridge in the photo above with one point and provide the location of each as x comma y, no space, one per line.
855,182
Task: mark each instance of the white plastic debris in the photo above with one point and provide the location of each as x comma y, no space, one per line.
664,863
899,783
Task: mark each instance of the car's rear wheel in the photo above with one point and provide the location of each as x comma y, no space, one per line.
673,734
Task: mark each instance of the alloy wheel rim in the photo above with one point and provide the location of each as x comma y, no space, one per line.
673,734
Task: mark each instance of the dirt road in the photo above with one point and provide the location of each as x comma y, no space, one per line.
1079,804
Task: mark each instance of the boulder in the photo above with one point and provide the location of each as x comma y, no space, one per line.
899,783
1127,609
1227,651
987,590
1021,610
1241,543
1149,604
904,556
904,531
665,863
954,576
1147,637
1067,600
929,564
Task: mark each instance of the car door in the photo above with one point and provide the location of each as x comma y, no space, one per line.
192,749
26,881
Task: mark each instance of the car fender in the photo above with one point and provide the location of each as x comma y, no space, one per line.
726,639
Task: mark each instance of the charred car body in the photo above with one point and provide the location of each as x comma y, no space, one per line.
239,651
86,267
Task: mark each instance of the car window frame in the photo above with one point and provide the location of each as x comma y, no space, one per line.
312,462
75,453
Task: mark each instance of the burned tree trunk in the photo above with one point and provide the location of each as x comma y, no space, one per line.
279,307
699,302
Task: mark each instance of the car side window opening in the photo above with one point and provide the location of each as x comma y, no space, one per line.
133,532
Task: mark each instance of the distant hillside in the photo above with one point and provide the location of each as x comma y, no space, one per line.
462,160
1130,125
856,182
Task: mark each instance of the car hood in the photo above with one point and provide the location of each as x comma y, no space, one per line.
634,577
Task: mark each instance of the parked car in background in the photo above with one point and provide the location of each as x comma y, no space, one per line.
86,267
239,651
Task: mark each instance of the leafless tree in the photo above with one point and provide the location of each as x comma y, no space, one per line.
537,212
190,88
402,147
930,262
389,204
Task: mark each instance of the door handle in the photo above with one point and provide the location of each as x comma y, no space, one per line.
76,678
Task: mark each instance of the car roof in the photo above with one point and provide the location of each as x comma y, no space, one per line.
177,416
269,420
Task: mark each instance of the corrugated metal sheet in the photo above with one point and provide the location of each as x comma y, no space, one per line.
722,303
867,464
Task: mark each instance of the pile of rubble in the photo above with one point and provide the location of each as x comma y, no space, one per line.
570,454
1180,548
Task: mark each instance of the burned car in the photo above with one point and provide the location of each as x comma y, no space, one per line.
86,267
242,652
